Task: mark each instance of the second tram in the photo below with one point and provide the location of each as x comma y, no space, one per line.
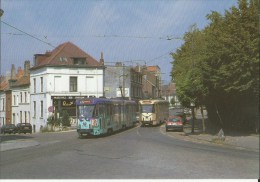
153,112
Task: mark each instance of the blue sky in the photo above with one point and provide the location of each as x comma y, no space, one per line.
131,31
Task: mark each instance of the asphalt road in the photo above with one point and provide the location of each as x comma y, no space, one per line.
137,153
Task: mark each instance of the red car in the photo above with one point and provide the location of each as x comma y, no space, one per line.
174,123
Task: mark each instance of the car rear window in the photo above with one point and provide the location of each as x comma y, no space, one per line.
174,119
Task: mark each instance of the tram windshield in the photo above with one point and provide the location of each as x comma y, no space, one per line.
86,111
149,108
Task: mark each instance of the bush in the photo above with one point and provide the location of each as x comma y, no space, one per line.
65,120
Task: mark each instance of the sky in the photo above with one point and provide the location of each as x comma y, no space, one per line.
130,31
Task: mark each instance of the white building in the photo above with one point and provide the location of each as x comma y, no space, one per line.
61,76
2,108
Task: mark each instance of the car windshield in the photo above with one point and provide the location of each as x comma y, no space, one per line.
147,108
86,111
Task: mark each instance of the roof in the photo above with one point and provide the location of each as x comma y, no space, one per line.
169,89
23,81
66,50
5,83
153,68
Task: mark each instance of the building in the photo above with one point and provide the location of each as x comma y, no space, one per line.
151,82
61,76
20,93
123,81
14,96
169,94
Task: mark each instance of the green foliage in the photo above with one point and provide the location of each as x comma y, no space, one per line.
173,101
65,119
219,66
52,121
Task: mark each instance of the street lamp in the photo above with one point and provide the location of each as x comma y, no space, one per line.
193,116
120,87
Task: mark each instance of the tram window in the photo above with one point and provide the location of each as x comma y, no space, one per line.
147,108
86,111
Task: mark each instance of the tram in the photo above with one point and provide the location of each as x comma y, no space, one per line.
98,116
153,112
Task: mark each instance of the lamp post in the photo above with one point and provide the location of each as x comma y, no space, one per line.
1,13
122,89
193,116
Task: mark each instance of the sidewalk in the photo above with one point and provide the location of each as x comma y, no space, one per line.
235,139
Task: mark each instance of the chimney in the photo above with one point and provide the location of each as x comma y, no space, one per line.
2,78
26,68
13,74
102,59
12,80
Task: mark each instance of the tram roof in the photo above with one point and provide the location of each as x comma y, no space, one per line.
94,101
152,101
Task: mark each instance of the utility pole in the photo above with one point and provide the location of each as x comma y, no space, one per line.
1,13
193,103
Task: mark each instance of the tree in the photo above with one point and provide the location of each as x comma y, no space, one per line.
219,67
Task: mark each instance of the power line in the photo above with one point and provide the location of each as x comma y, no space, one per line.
28,34
167,53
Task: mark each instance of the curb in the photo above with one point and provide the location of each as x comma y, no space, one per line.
17,144
190,138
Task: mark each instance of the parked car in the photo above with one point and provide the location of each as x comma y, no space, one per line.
178,112
9,128
174,123
24,128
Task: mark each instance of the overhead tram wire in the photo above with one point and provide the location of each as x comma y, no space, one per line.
28,34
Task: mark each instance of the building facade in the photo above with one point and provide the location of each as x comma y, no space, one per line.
60,77
123,82
20,97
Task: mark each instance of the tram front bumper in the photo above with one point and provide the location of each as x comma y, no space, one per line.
85,131
150,122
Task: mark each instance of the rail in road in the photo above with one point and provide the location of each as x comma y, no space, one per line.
137,153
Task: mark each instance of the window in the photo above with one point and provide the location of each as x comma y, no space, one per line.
21,116
25,116
41,84
73,84
79,61
3,105
25,97
21,97
34,85
41,109
34,109
14,100
14,118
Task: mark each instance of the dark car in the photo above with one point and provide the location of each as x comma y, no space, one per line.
9,128
174,123
24,128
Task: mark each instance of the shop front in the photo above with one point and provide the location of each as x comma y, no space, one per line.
65,103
